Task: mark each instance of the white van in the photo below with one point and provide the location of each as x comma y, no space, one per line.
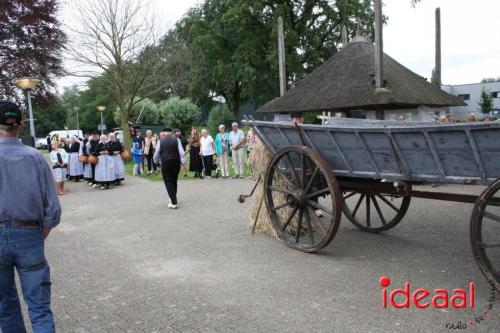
66,133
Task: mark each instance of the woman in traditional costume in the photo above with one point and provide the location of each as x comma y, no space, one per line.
59,160
115,150
105,168
75,166
87,167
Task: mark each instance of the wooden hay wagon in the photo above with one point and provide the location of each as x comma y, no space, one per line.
366,169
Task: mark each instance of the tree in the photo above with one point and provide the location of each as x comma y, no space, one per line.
116,38
31,41
179,113
233,50
96,95
150,112
485,102
490,79
219,114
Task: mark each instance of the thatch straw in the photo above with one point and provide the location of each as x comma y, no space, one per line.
258,163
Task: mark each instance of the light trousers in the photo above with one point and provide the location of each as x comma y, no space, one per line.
238,161
224,164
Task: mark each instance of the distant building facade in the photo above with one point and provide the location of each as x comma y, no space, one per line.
471,95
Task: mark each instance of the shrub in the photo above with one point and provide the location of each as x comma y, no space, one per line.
179,113
219,114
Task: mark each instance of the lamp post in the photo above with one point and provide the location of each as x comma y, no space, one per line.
101,109
27,84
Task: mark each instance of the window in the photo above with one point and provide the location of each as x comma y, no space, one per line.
495,94
464,97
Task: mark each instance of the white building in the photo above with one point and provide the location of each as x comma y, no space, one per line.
471,94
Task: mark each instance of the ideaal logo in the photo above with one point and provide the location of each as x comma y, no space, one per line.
422,298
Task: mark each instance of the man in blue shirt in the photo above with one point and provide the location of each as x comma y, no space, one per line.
29,209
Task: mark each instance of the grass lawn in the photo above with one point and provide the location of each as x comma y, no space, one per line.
129,167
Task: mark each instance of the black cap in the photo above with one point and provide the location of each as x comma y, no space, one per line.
10,114
166,129
296,114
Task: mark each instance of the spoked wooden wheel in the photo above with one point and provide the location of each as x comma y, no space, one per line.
374,212
299,187
485,233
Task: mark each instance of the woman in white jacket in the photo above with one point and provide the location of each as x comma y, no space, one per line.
59,160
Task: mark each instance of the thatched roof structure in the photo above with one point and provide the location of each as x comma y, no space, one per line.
346,82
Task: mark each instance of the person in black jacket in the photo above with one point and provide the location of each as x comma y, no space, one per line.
170,154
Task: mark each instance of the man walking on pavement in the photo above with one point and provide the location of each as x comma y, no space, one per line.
171,155
29,209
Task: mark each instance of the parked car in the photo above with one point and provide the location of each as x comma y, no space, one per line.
41,143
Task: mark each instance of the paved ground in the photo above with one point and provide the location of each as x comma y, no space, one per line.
122,262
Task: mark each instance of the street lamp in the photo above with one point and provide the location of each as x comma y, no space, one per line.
27,84
101,109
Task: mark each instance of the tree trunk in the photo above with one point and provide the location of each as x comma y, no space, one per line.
124,125
234,105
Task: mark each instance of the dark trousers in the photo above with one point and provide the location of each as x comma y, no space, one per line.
208,161
92,166
170,171
151,163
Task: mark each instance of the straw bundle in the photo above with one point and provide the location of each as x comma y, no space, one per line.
258,163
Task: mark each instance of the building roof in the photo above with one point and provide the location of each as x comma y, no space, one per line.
346,81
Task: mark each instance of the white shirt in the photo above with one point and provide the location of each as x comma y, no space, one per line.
207,147
234,138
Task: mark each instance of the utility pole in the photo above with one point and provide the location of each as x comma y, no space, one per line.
379,48
437,67
281,53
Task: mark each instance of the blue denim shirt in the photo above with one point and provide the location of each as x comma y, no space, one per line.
27,190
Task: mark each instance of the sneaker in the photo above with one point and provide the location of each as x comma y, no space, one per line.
94,186
174,206
103,187
242,177
318,213
209,177
89,184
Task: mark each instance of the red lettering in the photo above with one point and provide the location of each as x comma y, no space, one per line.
460,295
471,294
405,292
416,298
441,294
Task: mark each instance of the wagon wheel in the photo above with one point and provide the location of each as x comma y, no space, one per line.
298,184
373,211
485,233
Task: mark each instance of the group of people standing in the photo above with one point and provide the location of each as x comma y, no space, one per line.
95,159
206,154
204,150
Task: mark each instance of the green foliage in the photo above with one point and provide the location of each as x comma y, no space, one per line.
150,115
219,114
485,102
48,117
94,96
434,79
229,46
490,79
179,113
